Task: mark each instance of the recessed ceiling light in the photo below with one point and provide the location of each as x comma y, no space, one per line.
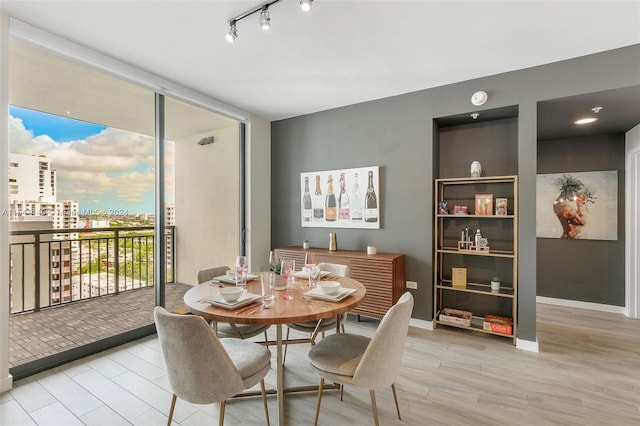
586,120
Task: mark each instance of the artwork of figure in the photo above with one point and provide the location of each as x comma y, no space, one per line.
570,207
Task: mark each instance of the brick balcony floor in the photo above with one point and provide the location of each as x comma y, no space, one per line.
36,335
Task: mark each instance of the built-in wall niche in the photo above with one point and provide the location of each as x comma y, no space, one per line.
490,138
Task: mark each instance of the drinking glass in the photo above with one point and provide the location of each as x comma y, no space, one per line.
241,271
314,275
287,270
268,281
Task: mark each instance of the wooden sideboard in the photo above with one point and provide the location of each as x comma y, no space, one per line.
382,274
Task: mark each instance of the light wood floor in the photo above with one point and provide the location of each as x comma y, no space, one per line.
586,373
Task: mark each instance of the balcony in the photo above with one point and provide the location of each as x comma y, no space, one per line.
108,291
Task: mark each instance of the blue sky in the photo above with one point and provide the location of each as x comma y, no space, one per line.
60,129
98,166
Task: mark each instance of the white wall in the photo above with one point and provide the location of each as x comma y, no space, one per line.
632,250
207,199
258,200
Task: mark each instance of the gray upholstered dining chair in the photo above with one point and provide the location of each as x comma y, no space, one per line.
351,359
316,327
204,369
225,329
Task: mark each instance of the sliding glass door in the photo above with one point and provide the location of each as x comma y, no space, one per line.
84,194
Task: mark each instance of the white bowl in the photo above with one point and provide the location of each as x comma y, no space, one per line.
329,287
230,294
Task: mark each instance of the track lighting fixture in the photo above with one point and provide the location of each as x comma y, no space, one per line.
233,33
264,20
305,5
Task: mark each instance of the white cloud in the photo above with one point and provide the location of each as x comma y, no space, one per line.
112,166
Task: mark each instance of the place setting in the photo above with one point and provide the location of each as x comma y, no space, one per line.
331,291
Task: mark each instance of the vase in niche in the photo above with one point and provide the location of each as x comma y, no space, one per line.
476,169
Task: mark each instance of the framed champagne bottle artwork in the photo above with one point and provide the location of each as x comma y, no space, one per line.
343,198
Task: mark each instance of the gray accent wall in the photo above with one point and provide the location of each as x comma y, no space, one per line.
585,270
397,134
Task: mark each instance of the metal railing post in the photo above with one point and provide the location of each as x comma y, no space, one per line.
116,256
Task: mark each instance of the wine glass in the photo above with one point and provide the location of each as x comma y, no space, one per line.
287,270
241,271
309,260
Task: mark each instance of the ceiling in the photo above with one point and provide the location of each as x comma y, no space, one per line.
341,53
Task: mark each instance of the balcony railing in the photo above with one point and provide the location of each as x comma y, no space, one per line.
58,266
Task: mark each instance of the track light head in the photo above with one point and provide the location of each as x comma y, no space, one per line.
233,33
265,20
305,5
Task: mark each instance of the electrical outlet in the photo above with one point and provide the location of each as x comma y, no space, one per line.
412,285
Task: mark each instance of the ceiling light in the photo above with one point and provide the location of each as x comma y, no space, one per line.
233,33
265,20
305,5
586,120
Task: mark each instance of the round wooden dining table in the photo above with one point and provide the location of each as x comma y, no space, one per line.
282,311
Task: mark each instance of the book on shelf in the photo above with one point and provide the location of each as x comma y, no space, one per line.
498,324
455,317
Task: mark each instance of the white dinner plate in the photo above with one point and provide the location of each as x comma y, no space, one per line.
227,280
245,299
316,293
304,274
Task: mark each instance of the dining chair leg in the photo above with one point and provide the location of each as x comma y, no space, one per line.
221,418
395,398
266,337
374,407
264,401
173,405
341,391
319,400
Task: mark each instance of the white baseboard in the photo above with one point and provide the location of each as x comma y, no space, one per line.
582,305
527,345
426,325
6,384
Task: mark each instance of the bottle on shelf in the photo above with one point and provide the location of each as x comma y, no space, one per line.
307,208
370,202
476,239
318,202
356,201
331,205
343,200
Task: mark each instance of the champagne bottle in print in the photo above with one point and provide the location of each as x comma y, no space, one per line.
356,201
307,208
343,200
318,202
370,202
331,205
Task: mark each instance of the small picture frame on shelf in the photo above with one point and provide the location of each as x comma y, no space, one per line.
501,206
484,205
442,208
459,277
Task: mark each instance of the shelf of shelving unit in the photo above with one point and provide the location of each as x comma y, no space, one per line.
509,240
